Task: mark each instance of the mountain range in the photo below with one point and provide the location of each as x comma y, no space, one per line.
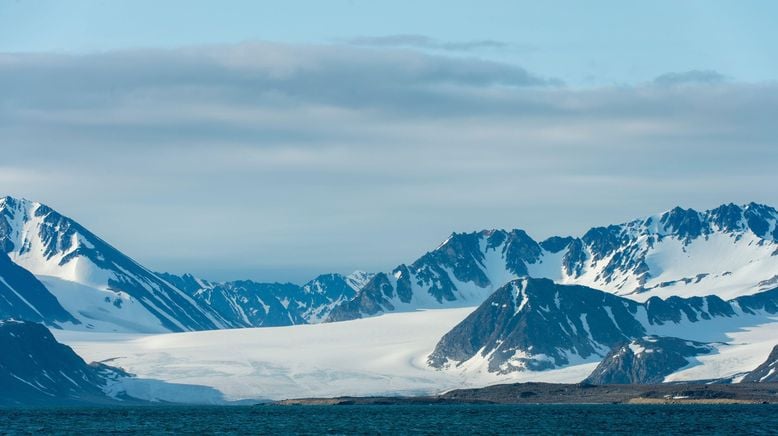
73,279
728,251
644,299
536,324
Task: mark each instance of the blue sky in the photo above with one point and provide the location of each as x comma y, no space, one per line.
278,140
584,43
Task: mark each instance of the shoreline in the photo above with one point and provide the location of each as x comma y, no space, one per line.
554,393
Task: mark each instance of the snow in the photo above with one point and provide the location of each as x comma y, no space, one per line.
89,305
636,348
26,227
358,279
745,349
732,264
383,355
520,295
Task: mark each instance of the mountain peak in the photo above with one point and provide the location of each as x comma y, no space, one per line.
16,202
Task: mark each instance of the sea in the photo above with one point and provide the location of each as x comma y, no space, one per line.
398,419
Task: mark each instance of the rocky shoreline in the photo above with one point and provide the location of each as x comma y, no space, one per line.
582,393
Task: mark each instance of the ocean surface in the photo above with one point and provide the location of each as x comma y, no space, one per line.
425,420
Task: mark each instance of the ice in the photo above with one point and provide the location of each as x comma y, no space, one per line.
383,355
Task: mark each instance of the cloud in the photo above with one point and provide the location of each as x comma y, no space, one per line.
425,42
690,77
255,74
256,159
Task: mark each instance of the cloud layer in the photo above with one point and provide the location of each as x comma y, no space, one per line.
275,161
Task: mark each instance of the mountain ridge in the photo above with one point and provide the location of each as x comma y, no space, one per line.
536,324
727,251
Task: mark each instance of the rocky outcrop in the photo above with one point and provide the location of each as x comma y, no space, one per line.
646,360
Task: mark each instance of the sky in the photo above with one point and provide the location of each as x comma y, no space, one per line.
279,140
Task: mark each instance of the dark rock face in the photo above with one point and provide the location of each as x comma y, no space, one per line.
646,360
555,244
537,324
685,223
36,369
767,372
22,296
372,299
675,309
766,301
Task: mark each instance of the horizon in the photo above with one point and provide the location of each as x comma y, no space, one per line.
354,140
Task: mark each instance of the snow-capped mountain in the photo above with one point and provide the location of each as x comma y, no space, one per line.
727,251
53,270
248,303
536,324
97,284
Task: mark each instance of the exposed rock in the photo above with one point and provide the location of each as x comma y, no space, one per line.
646,360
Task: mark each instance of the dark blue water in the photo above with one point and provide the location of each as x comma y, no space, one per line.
522,419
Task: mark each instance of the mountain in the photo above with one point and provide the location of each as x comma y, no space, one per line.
766,372
22,296
97,284
55,271
254,304
536,324
35,369
728,251
461,272
646,360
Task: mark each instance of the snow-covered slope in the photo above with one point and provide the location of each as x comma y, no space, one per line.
728,251
383,355
98,285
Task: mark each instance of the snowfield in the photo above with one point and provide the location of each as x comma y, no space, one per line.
746,348
383,355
